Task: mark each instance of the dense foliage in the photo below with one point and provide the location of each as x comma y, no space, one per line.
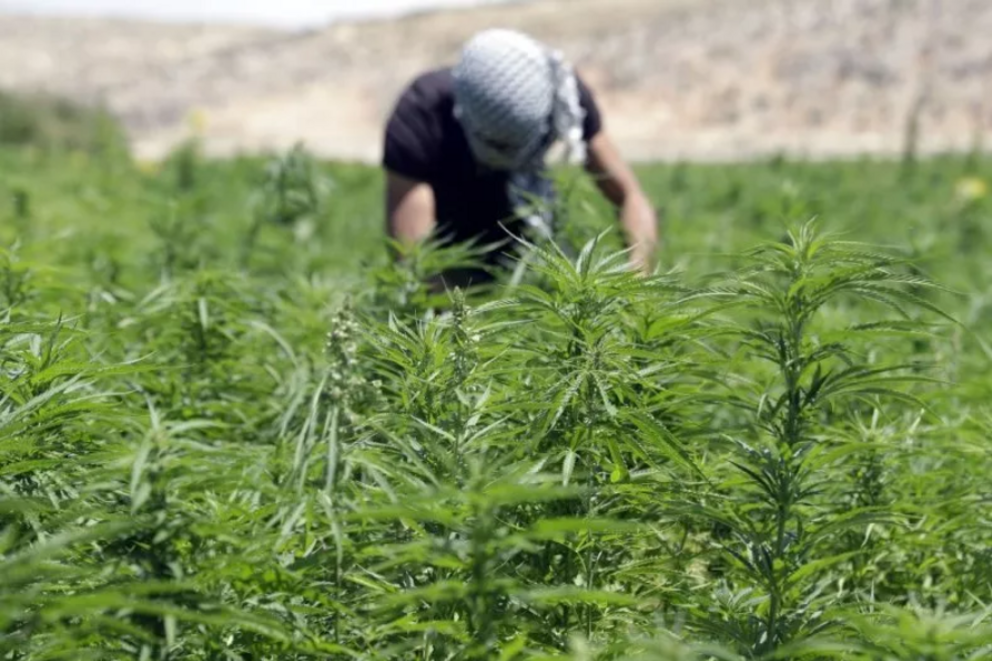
232,428
53,123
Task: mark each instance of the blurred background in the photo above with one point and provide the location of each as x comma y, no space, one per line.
678,79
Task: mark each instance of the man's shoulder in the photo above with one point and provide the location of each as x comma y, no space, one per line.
431,88
421,123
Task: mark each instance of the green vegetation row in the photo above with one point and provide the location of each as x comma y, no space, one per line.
232,428
52,123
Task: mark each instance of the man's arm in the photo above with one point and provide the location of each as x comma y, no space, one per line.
619,185
410,210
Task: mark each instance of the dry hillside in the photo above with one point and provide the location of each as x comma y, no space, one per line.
678,78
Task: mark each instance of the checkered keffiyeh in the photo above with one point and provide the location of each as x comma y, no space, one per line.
515,97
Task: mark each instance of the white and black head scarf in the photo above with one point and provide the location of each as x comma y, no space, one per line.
515,98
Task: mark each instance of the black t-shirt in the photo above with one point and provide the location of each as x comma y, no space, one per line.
425,142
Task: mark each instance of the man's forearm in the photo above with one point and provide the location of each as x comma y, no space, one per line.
640,227
409,210
619,184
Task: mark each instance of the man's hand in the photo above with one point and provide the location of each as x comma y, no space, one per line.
619,185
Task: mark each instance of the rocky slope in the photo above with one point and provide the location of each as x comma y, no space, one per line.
705,79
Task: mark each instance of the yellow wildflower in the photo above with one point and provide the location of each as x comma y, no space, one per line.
147,166
197,121
971,189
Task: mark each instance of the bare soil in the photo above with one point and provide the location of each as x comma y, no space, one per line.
693,79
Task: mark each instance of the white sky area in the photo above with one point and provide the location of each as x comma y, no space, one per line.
286,13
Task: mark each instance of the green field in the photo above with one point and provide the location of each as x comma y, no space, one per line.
231,428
